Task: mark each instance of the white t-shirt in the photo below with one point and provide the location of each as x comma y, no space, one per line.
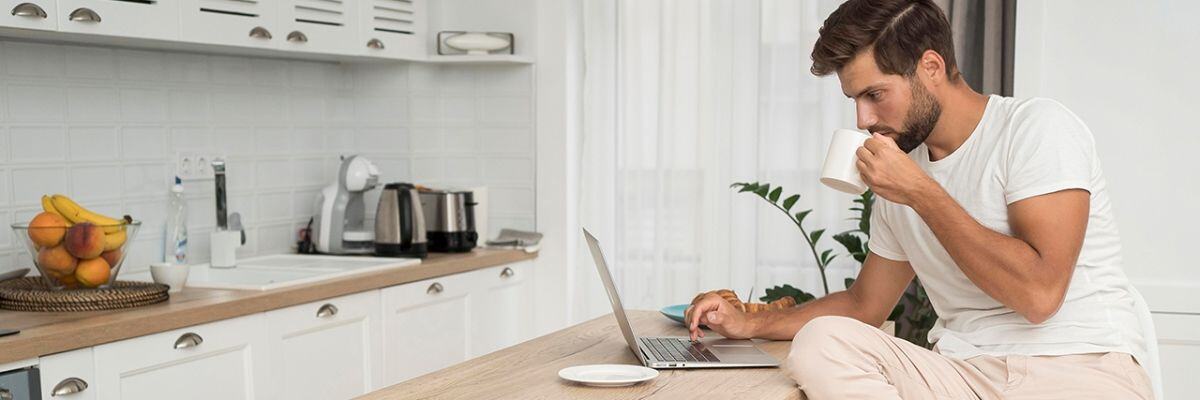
1020,149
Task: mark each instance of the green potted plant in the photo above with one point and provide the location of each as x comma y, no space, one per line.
913,315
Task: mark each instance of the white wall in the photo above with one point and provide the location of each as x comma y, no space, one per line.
1128,69
104,126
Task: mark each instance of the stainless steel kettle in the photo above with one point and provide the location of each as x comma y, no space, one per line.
400,222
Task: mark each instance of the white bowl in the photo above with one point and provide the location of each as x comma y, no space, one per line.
476,43
173,275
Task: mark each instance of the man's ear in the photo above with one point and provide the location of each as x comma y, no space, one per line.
932,66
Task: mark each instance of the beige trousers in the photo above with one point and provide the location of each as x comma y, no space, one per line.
843,358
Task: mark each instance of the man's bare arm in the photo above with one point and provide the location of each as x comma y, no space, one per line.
871,298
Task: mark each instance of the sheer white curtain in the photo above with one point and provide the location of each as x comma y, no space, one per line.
682,98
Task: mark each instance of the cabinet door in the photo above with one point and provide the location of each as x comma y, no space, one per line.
126,18
1178,352
425,326
393,28
319,26
249,23
29,14
326,349
219,360
502,308
68,375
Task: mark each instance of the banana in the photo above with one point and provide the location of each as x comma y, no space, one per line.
113,241
48,206
75,213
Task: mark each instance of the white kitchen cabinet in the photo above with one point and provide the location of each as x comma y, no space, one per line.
30,14
502,307
68,375
219,360
319,26
247,23
392,28
425,326
125,18
327,349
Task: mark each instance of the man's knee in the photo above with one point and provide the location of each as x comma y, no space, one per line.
821,344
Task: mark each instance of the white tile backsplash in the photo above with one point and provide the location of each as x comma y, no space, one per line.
105,125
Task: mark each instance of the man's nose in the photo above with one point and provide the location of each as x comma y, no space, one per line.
865,116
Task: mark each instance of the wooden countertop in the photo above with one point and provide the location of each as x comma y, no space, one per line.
530,370
44,333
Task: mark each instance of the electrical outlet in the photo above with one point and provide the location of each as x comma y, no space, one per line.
194,166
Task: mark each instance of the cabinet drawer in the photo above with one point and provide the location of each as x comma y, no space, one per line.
230,22
335,311
392,28
29,14
218,360
327,349
126,18
319,26
68,375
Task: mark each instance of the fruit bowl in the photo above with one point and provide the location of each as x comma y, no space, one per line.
80,255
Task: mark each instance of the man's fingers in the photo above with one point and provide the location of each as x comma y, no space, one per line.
864,154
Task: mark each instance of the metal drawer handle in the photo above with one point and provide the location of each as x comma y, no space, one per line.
188,340
327,310
297,37
69,386
435,288
375,44
29,10
260,33
5,394
507,273
84,15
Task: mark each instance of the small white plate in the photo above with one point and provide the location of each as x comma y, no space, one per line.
608,375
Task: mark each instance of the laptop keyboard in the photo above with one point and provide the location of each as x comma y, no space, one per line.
674,349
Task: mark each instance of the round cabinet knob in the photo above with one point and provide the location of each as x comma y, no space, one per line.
435,288
69,386
260,33
327,310
188,340
507,272
29,10
297,37
84,15
375,44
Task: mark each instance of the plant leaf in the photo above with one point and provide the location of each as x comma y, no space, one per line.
800,215
848,282
762,191
825,256
774,196
816,235
790,201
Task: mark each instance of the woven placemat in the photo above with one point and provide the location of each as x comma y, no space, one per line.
31,294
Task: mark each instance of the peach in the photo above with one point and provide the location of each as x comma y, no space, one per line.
112,257
47,229
84,240
92,273
56,261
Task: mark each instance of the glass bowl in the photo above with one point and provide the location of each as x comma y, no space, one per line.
82,256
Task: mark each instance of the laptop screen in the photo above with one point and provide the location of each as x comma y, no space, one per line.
618,310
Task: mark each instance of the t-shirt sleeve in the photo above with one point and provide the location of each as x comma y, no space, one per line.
1051,150
883,241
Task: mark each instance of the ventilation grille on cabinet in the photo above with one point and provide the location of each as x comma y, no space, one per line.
323,12
240,8
395,16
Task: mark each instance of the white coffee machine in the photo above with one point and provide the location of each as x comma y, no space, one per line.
339,224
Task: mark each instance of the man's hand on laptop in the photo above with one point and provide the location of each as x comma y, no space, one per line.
720,316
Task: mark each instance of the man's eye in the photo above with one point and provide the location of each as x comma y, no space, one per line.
874,95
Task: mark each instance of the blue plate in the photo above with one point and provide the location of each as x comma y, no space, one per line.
675,312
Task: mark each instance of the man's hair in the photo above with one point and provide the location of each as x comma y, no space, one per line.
899,32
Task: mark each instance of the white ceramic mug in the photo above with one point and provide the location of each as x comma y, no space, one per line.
173,275
223,248
840,171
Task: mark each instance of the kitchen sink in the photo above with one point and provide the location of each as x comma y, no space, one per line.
282,270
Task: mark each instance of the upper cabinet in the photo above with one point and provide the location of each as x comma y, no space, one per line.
30,14
319,26
392,28
249,23
145,19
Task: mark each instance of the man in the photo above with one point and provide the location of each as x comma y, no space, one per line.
999,206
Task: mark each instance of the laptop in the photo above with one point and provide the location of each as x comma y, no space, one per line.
677,352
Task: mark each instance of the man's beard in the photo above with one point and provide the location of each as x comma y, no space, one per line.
919,122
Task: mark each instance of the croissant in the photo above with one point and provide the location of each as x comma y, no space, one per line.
730,296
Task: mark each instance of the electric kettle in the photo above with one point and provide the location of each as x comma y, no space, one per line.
400,222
